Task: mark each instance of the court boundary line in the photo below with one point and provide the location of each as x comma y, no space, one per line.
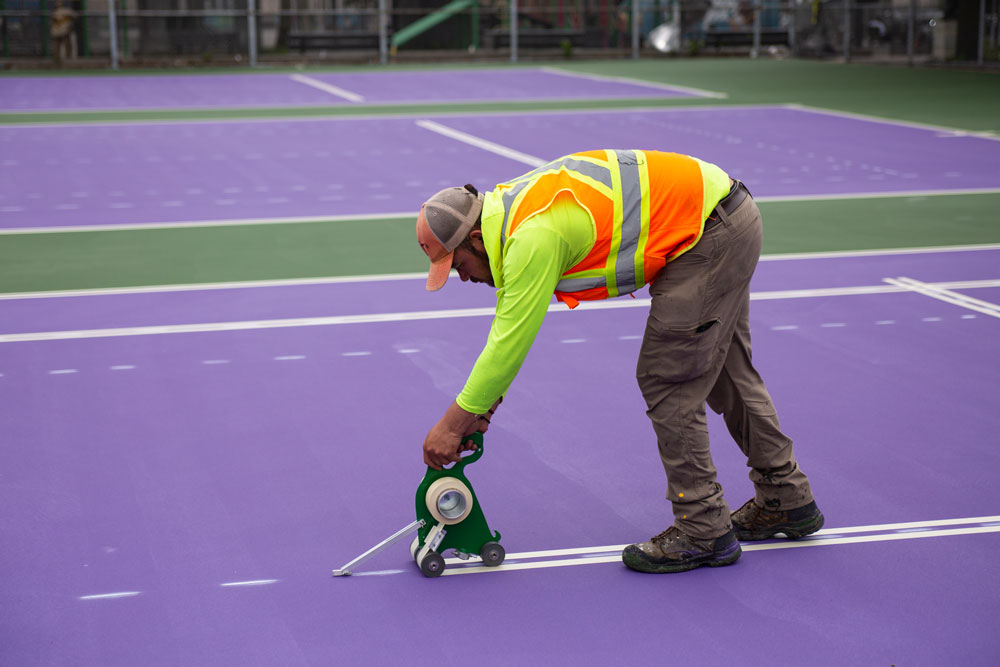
448,313
941,293
698,92
421,275
989,135
479,142
337,91
768,546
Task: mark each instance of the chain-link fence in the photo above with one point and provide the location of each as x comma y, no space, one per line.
250,30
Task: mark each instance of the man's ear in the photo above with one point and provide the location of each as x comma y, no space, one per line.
476,234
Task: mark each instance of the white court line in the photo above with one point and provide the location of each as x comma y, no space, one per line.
197,287
109,596
987,134
186,224
779,199
635,82
835,254
484,144
327,88
528,159
422,315
770,546
941,294
832,532
255,582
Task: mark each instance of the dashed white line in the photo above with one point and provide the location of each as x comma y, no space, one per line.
63,371
109,596
254,582
884,322
930,319
408,350
785,327
215,362
573,340
123,367
290,357
833,325
355,354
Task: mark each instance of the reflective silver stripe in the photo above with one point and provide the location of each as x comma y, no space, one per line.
508,198
594,171
598,173
631,229
579,284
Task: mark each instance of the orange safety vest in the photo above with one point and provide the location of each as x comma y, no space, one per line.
646,207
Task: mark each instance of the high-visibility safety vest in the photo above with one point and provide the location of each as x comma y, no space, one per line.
646,207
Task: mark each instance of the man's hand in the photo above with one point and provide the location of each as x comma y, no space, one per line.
446,441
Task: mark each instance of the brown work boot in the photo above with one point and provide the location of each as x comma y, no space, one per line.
674,551
753,522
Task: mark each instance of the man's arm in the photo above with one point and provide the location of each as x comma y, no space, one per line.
533,263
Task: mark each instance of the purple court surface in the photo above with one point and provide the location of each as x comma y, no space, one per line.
181,497
314,89
142,173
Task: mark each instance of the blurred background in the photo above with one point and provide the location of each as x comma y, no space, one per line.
106,33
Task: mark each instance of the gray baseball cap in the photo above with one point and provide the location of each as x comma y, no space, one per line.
444,221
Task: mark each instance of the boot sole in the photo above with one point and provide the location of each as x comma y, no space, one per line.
792,531
711,560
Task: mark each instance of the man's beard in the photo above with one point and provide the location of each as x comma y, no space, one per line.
481,254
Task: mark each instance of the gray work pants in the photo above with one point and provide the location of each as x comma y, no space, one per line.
696,348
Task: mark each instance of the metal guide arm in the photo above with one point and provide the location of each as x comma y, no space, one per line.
378,548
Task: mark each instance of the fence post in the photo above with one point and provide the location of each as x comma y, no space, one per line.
847,31
113,31
982,35
45,28
909,31
635,29
513,31
383,34
755,51
3,31
252,31
84,21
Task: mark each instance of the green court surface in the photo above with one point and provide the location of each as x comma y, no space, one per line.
968,101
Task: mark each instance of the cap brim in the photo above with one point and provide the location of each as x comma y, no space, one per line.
439,272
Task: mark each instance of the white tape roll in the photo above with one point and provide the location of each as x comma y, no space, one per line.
449,500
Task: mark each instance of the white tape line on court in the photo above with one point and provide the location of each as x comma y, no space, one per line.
372,318
616,558
484,144
827,533
941,293
327,88
635,82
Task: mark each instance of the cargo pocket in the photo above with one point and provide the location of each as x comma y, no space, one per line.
678,354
